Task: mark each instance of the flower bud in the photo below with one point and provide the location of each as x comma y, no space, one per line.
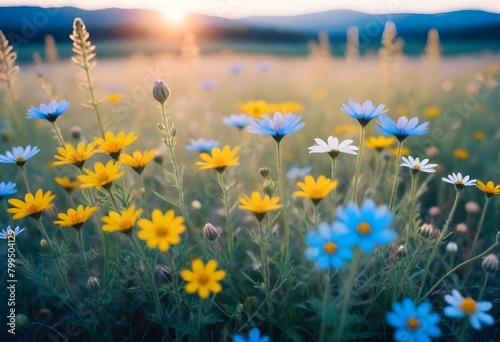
434,211
158,158
76,132
264,172
44,244
269,187
461,228
164,273
160,91
210,232
490,263
428,230
451,247
93,283
21,320
401,251
472,207
432,151
196,205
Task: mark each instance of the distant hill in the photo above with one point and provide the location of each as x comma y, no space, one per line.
24,25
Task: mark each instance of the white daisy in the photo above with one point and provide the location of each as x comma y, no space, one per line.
333,147
417,165
461,307
458,180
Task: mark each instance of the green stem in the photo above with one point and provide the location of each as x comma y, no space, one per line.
428,293
396,174
23,173
175,281
347,289
229,230
112,196
156,298
58,134
82,250
283,199
481,223
483,287
413,199
438,243
57,260
334,192
476,237
264,246
169,141
358,163
326,301
91,88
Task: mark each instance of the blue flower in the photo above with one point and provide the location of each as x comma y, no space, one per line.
330,246
264,66
461,307
368,223
403,128
235,69
413,324
7,189
202,145
49,111
278,126
363,113
298,173
208,85
254,336
4,234
19,155
237,120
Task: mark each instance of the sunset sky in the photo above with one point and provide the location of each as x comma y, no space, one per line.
242,8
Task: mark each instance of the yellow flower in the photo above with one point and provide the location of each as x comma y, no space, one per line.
255,108
114,97
432,112
479,136
113,145
380,142
405,151
102,176
492,70
315,190
401,110
69,155
319,94
32,205
259,206
162,231
286,107
461,154
122,221
489,188
68,184
203,278
219,160
75,218
138,160
341,129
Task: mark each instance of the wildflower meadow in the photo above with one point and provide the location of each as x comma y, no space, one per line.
248,197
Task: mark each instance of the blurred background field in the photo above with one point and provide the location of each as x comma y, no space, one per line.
450,81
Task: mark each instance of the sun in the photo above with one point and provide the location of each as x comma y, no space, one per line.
175,14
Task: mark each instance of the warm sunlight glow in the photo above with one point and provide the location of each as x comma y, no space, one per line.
174,13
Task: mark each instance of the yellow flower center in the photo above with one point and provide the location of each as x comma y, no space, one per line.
161,231
126,223
75,218
416,167
103,178
412,323
330,247
76,157
203,279
468,306
32,209
19,159
364,228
